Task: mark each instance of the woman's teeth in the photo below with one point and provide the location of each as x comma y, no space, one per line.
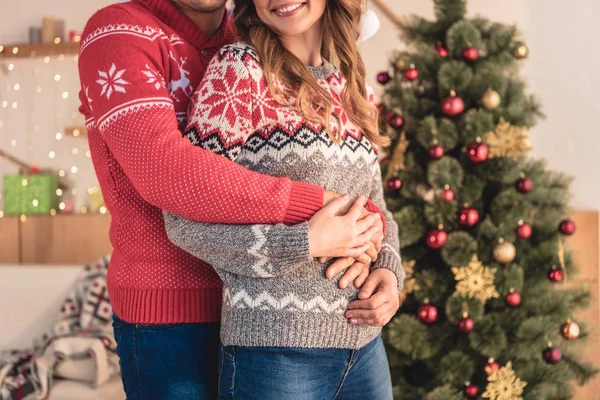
288,8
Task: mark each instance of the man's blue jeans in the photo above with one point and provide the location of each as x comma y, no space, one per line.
271,373
168,362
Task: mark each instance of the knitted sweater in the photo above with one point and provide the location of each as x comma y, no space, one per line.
139,64
274,293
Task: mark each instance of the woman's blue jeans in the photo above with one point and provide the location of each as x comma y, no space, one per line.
272,373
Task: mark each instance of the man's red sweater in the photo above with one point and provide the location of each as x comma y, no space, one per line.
139,64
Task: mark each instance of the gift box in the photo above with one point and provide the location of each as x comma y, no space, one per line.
30,194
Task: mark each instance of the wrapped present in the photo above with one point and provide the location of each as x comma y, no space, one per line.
30,194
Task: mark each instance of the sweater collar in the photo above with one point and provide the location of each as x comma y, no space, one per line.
323,71
166,11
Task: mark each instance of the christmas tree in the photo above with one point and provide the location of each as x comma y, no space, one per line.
482,225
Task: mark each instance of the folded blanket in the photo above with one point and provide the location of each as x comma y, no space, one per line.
80,346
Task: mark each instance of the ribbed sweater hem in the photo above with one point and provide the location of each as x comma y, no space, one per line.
284,329
305,201
166,306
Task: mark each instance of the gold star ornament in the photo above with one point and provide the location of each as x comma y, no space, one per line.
504,385
507,140
397,161
475,281
410,283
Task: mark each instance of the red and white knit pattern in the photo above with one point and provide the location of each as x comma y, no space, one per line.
233,103
139,64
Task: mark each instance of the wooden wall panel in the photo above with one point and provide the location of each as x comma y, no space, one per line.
9,240
65,239
586,253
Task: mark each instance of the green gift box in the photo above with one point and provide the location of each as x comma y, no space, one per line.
30,194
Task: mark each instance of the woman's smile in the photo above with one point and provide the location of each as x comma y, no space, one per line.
288,9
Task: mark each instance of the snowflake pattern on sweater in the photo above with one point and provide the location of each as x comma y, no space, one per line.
270,281
139,63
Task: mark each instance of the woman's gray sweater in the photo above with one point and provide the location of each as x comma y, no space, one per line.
274,293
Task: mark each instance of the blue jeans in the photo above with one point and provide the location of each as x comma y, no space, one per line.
168,362
272,373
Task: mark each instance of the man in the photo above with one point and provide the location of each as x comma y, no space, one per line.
139,64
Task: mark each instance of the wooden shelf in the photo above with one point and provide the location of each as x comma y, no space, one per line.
38,50
75,131
62,239
11,241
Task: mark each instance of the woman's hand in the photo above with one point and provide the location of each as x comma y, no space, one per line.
357,269
378,299
333,235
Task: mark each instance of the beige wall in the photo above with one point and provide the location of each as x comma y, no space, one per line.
30,298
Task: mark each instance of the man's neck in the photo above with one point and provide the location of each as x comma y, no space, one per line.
209,22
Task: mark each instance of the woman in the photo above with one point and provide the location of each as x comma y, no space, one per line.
275,104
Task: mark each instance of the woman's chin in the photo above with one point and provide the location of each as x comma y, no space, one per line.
289,31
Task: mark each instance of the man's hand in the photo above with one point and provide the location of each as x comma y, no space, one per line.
357,269
378,300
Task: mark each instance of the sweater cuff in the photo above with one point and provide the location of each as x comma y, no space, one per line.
370,206
305,201
291,246
390,259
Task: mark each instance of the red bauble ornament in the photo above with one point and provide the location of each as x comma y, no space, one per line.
436,239
468,217
427,314
34,170
453,105
383,78
394,184
556,275
477,152
491,366
448,194
552,355
396,121
524,185
512,299
524,230
436,151
411,74
567,227
470,54
471,391
441,50
466,325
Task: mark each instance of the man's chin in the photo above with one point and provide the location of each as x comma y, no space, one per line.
203,6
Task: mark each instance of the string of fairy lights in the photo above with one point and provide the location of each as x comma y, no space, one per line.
40,124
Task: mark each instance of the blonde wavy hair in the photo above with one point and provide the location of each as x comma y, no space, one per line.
281,67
